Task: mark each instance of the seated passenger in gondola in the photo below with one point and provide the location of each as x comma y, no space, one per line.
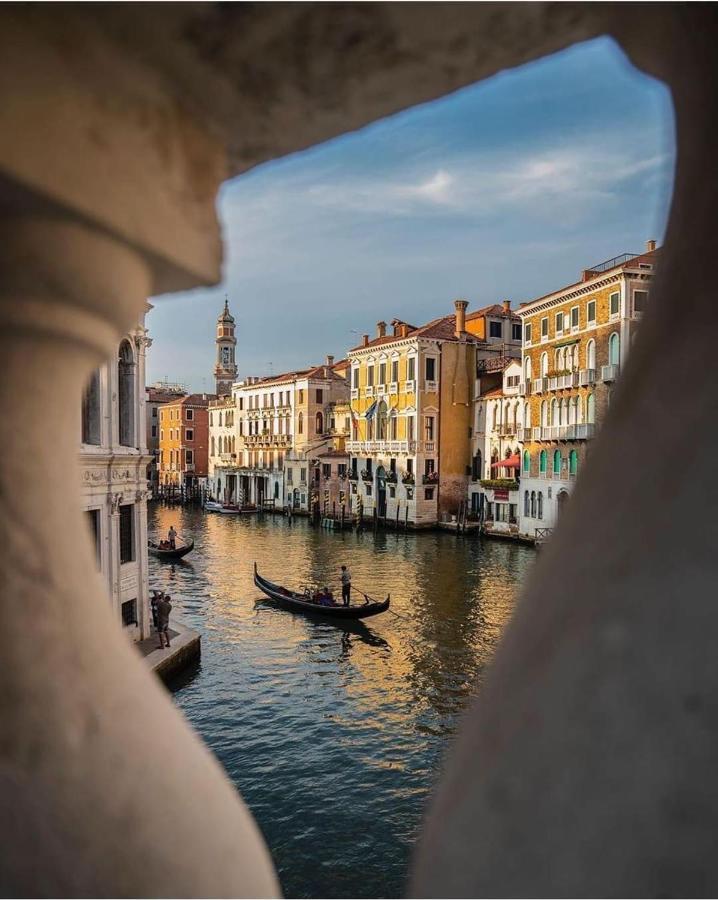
326,598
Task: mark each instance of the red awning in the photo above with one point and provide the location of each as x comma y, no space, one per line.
513,462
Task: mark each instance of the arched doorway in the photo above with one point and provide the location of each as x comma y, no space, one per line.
561,501
381,492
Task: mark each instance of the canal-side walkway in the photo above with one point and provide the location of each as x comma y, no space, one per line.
185,648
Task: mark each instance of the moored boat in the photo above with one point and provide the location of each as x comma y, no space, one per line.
229,509
304,602
212,506
179,551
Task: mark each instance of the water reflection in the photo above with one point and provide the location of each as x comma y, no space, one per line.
333,731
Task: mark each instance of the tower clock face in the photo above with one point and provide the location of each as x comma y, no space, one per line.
226,356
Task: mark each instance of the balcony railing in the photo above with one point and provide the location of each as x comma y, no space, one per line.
355,394
586,377
369,390
409,387
431,386
393,387
576,432
525,388
609,373
539,385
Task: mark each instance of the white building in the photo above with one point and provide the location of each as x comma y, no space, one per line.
496,446
113,471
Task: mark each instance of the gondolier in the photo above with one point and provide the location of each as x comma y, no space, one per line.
172,537
346,579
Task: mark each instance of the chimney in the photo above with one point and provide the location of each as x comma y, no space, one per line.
381,329
396,324
460,307
404,329
330,360
507,306
365,340
650,246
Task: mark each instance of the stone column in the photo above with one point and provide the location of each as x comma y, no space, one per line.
108,789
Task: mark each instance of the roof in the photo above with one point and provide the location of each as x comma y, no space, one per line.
493,392
495,363
156,396
194,399
332,453
441,329
324,371
226,315
599,272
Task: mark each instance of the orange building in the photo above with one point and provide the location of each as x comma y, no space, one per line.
184,441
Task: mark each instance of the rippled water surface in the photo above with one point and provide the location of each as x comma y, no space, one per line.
334,736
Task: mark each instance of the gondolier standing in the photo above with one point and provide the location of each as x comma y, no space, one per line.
172,537
346,586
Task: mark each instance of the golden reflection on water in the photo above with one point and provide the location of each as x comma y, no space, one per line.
333,730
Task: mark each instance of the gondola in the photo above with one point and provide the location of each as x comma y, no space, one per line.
212,506
300,602
177,553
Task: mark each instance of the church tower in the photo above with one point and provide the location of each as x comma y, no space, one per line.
225,368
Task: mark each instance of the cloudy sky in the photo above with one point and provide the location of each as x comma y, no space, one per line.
506,189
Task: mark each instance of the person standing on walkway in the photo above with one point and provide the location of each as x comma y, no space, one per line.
172,537
164,608
346,586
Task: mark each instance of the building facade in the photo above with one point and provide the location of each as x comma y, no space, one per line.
411,400
575,342
496,449
155,396
113,477
223,467
225,367
184,442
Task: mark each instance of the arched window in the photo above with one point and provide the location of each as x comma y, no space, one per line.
544,364
527,461
213,453
393,426
381,416
126,394
527,504
544,413
554,412
574,358
542,462
539,512
591,354
319,424
591,408
614,349
533,504
573,463
564,411
556,462
527,415
527,369
300,423
579,410
91,432
573,411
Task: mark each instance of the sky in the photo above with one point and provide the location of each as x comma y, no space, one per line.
504,190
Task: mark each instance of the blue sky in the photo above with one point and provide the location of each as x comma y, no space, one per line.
505,189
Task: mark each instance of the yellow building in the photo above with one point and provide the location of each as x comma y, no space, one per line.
575,343
411,393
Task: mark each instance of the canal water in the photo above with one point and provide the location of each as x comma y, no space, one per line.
335,737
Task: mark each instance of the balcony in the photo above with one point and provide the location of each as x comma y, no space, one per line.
429,446
369,390
393,387
539,385
431,478
352,475
502,484
586,377
409,387
525,388
431,386
355,394
609,373
576,432
189,467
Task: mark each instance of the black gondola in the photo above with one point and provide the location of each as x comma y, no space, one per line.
303,603
166,553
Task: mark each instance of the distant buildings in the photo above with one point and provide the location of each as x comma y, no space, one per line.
113,476
575,343
411,406
184,442
155,396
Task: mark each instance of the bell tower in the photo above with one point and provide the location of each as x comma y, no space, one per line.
225,367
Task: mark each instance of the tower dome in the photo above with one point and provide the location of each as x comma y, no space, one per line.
225,368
